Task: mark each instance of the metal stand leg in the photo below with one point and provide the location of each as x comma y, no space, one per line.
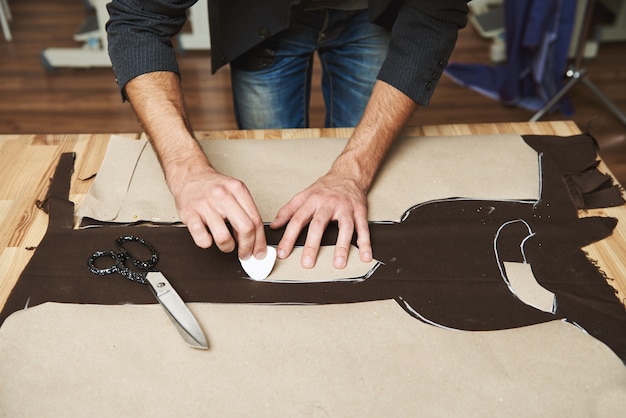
573,79
577,73
605,100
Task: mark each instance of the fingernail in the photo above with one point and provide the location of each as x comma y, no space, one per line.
260,255
307,262
340,262
281,253
367,256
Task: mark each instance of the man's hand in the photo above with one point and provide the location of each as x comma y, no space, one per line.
208,202
331,198
341,194
207,199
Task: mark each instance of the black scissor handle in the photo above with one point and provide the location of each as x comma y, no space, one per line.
144,265
117,266
102,271
120,258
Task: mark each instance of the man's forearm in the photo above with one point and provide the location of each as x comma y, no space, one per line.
386,114
341,194
158,103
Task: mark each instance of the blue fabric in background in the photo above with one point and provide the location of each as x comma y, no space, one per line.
538,34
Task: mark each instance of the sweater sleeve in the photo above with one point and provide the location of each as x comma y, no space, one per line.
423,37
139,35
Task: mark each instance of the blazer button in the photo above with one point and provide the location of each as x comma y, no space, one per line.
441,63
429,85
435,75
264,33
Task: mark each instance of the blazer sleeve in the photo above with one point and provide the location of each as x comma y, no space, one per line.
139,35
423,36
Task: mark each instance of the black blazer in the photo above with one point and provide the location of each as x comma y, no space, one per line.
424,34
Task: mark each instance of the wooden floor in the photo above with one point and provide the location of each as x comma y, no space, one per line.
33,100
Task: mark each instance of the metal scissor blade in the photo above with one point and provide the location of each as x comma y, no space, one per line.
182,317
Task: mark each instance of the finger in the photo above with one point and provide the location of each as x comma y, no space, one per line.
363,238
292,231
253,245
317,226
233,203
221,234
285,213
342,247
260,242
199,232
250,238
254,241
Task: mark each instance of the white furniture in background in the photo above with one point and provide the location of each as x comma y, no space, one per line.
616,31
199,37
5,16
94,52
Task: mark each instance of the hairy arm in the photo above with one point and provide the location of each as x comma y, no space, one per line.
341,194
140,46
204,197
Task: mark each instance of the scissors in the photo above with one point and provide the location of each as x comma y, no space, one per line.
147,274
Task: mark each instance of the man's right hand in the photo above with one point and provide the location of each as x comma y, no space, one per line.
208,202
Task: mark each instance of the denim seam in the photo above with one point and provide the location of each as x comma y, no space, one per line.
306,96
329,102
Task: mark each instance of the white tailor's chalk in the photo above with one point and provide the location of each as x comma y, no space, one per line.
260,269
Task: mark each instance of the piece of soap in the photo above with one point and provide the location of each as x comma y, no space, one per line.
260,269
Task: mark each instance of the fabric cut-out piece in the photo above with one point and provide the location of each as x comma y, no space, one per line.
415,269
275,170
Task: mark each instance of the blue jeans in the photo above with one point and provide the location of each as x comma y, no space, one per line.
272,82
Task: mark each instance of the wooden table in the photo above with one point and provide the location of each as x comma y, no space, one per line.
28,161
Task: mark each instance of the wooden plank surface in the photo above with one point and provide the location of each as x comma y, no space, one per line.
28,161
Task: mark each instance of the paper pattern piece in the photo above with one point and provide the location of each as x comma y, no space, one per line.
289,270
118,171
365,359
275,170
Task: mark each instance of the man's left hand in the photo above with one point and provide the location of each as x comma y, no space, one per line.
331,198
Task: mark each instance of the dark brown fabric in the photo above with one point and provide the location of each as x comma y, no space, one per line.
439,263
